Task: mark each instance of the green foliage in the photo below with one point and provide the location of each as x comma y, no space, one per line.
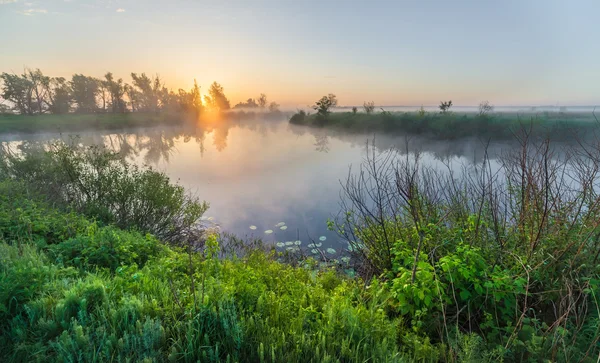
324,105
96,182
253,309
445,106
449,125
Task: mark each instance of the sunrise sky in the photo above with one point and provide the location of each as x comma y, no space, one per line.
510,52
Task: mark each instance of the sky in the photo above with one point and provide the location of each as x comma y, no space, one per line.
393,52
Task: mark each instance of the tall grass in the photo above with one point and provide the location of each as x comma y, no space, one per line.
104,294
511,255
453,125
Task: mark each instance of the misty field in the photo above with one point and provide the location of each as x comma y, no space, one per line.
450,125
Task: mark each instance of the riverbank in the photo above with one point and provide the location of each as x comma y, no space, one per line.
75,122
449,126
101,260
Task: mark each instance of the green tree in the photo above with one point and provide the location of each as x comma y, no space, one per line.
59,95
273,107
250,103
151,92
323,105
445,106
216,98
84,91
262,100
18,91
116,89
39,86
195,98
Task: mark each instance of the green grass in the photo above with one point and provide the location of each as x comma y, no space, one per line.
97,294
79,284
452,125
74,122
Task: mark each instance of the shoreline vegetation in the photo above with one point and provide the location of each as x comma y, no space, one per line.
34,102
498,126
75,122
104,261
446,124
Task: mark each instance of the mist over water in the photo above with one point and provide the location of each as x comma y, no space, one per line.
263,173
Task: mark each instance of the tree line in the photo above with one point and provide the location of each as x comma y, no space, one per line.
33,93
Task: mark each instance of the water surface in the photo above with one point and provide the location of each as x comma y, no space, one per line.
263,174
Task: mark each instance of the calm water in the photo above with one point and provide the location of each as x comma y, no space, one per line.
262,174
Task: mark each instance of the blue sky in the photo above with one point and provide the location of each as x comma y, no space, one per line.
393,52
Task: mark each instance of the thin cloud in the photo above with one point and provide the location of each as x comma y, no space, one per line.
120,10
30,12
4,2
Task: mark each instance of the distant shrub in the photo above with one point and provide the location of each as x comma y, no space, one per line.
354,110
445,106
298,117
485,108
369,107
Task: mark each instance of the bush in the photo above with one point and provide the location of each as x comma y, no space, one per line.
96,182
106,294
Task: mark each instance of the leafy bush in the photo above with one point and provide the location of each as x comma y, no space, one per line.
96,182
106,294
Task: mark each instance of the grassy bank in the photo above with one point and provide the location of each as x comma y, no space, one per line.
74,122
452,125
102,261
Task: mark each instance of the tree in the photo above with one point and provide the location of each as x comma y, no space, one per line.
485,108
133,95
151,92
103,93
354,110
196,100
445,106
59,95
262,100
369,106
18,91
323,105
274,107
250,103
117,90
83,92
39,86
216,98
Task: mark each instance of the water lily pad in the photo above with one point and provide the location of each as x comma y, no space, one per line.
253,227
297,243
311,245
269,231
319,244
280,244
314,251
283,228
322,238
280,224
330,250
350,272
289,243
290,248
345,259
